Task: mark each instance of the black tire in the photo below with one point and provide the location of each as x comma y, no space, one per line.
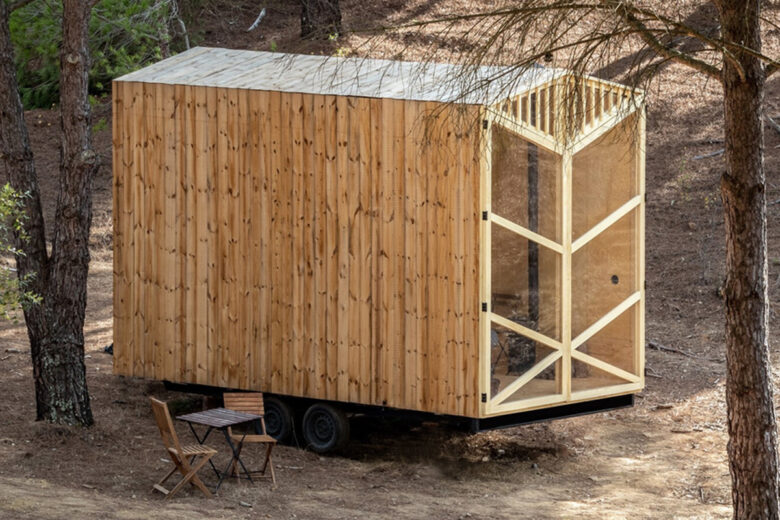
325,428
278,419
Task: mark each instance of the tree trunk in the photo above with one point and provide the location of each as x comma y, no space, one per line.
55,326
320,18
752,444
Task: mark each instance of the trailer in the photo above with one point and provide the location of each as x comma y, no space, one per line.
351,235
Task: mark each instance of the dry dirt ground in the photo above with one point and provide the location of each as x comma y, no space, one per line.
663,458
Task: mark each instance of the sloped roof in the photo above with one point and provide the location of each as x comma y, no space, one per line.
360,77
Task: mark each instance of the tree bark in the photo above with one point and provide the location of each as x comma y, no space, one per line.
752,443
320,18
55,326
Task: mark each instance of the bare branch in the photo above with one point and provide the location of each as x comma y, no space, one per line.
772,68
664,50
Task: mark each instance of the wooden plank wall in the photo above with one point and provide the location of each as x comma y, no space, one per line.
298,244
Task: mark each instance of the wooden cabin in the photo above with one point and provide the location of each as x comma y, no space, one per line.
423,237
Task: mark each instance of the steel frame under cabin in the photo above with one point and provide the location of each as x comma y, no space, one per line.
324,228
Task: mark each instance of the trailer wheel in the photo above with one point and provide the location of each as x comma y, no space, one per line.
278,419
325,428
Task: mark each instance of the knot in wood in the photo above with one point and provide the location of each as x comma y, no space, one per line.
72,58
88,157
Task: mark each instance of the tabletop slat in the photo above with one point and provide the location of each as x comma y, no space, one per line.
218,417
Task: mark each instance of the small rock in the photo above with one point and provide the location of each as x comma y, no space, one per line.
87,486
501,452
485,459
534,466
664,406
244,504
692,226
13,350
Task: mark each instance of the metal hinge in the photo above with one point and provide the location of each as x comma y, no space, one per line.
484,398
484,306
484,215
484,124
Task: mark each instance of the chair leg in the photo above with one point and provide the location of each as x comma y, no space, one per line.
190,475
176,467
269,463
166,477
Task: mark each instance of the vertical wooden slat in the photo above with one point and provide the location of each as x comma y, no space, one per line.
355,148
320,244
219,267
267,113
341,253
278,269
286,267
413,254
310,338
332,247
385,273
472,269
189,238
364,257
122,216
138,130
377,260
297,297
248,286
213,247
457,215
170,271
397,252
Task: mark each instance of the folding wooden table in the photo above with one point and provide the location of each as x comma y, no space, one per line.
220,419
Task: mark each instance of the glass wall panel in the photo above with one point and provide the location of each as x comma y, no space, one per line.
526,281
526,184
604,177
604,273
512,356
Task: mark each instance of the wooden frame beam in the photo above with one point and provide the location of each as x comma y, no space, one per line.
605,320
605,367
526,131
526,233
610,219
610,120
485,261
525,331
603,391
521,381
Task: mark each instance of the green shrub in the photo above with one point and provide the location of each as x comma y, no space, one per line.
14,292
124,35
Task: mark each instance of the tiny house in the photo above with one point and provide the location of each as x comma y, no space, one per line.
352,234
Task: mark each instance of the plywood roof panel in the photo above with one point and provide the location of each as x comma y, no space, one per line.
360,77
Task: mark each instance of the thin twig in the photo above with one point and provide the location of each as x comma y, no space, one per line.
658,346
257,20
773,123
712,154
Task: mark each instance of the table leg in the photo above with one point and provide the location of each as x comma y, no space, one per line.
201,441
235,457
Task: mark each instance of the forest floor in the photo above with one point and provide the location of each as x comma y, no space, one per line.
663,458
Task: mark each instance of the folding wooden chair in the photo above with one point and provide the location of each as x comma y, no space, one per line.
182,456
251,402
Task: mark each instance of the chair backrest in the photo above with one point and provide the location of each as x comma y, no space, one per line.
165,424
249,402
